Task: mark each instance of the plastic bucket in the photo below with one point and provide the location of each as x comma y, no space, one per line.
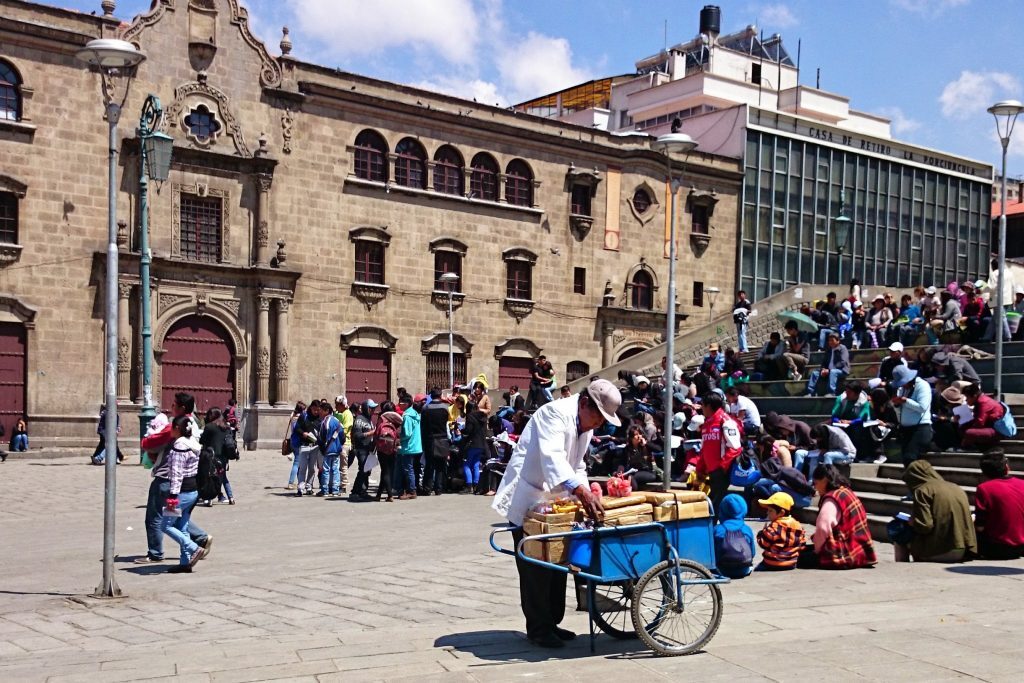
1013,320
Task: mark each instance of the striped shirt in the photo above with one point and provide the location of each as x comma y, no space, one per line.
781,541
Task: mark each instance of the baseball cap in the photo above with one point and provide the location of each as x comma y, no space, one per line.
419,397
858,304
896,346
930,291
642,378
607,399
696,422
341,399
780,500
370,403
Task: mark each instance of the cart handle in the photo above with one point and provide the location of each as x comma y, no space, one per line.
504,551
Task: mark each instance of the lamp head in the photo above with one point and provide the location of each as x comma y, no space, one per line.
159,147
1006,108
109,53
674,142
449,277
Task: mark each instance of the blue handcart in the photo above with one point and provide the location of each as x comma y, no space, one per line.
653,581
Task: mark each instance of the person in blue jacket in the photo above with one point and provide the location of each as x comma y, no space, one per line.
734,540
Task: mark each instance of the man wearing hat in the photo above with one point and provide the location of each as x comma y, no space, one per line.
951,368
713,363
930,302
548,463
914,401
894,359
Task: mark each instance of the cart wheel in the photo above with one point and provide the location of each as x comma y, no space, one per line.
612,608
670,627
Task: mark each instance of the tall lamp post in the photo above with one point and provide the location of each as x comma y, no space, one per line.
110,56
712,293
1005,114
674,142
155,150
841,224
449,280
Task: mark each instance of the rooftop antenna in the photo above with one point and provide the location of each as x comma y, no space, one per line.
817,80
798,76
665,34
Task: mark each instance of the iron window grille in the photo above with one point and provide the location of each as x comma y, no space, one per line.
437,369
575,370
201,228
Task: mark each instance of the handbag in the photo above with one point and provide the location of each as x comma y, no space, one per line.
1006,425
286,447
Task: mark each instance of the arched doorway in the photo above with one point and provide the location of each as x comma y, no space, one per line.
629,353
199,359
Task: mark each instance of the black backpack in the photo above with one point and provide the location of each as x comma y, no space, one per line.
207,481
230,449
735,550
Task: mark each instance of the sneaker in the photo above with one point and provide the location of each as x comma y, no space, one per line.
148,559
196,556
290,487
231,501
320,494
221,499
207,546
880,460
298,493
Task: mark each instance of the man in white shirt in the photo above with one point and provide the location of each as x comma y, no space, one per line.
744,410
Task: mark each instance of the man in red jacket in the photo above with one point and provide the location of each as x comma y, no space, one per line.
979,432
720,444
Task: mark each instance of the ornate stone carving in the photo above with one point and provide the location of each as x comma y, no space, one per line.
699,243
518,308
283,305
124,289
262,233
286,42
122,233
108,7
201,302
124,355
369,294
287,120
144,21
165,301
230,304
440,300
225,224
263,303
200,90
264,181
281,255
263,362
282,364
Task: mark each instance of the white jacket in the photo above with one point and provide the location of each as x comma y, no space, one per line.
549,453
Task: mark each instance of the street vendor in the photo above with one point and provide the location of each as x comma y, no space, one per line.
548,463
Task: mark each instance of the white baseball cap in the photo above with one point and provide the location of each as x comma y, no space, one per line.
930,291
896,346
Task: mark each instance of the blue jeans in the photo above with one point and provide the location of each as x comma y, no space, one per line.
294,475
330,475
471,466
19,443
834,377
177,527
813,457
764,488
407,473
741,335
225,484
159,489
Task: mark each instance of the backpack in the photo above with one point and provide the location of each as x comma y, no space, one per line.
734,550
744,470
230,448
1006,426
207,480
387,438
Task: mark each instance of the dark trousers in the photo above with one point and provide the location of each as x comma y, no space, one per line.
541,594
994,550
719,483
914,441
434,475
362,478
387,466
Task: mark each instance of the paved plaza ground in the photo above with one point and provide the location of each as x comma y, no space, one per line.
326,590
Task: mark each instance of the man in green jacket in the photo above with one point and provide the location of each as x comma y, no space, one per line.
943,530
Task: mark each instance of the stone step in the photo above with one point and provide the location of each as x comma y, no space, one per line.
772,389
971,459
895,488
965,477
822,405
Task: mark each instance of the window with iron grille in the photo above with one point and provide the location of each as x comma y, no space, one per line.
520,274
369,262
371,156
448,176
483,180
447,262
201,227
580,203
698,294
8,218
518,184
579,280
10,93
437,369
410,164
643,291
700,219
641,200
575,370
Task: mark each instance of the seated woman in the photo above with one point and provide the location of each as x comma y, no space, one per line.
979,433
842,539
832,447
884,423
851,410
777,477
944,422
638,457
941,528
19,436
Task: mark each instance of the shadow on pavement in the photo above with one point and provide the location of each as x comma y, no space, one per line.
985,570
56,595
512,646
148,569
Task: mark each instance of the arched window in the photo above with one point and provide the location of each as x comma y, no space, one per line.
519,183
641,200
371,156
643,291
410,164
575,370
10,93
448,177
483,181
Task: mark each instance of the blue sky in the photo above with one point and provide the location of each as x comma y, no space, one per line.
933,66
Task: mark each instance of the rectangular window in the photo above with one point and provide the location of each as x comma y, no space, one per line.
698,294
519,274
8,218
755,74
579,280
447,262
369,262
437,369
201,225
700,219
580,200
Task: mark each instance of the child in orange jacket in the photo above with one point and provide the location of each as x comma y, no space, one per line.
783,537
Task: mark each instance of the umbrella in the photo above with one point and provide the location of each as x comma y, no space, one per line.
803,322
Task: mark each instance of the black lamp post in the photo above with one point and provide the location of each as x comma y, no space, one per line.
841,225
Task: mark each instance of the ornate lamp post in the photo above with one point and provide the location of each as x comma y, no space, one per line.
668,144
110,57
155,162
841,224
449,280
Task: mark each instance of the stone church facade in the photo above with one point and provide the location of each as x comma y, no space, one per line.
298,241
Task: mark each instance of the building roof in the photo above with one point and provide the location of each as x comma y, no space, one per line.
1012,209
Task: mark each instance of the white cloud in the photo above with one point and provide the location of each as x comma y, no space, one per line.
536,65
932,7
975,91
901,123
468,88
450,28
777,16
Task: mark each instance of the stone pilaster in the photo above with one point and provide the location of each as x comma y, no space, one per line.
262,350
281,353
263,183
124,344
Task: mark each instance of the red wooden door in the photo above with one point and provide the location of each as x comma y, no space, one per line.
198,359
367,374
12,375
516,371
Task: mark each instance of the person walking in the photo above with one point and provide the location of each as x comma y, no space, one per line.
99,455
213,437
331,439
180,467
411,448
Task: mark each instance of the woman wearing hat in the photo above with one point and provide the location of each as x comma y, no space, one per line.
878,321
976,314
944,420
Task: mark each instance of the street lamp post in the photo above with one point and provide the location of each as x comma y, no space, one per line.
712,293
667,144
841,224
110,56
1005,114
449,280
155,150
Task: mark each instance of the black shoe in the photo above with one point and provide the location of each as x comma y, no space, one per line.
180,569
564,634
547,640
319,494
298,493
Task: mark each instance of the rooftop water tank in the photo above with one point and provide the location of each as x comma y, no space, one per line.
711,20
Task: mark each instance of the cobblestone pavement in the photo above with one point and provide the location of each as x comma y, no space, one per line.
326,590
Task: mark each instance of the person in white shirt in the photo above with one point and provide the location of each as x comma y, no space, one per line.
744,410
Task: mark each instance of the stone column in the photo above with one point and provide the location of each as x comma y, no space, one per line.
281,354
124,344
263,183
262,350
607,345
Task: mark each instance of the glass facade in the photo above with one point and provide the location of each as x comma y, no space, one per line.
911,226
